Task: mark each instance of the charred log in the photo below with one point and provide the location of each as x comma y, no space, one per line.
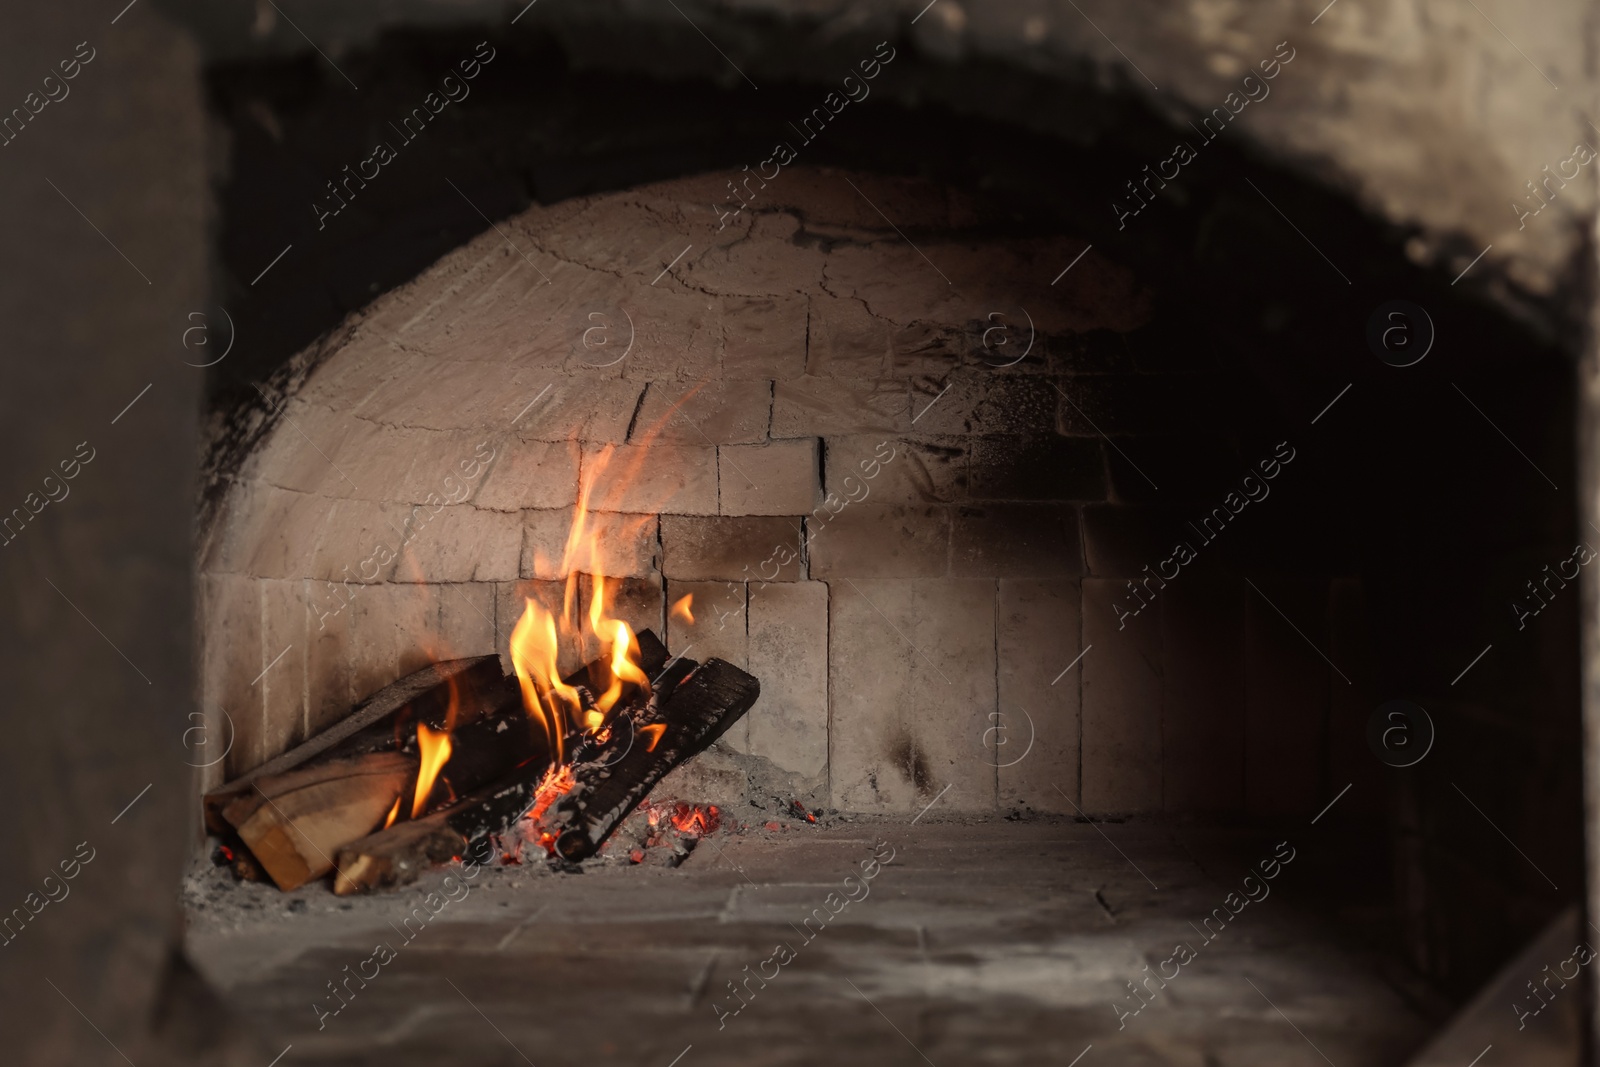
673,726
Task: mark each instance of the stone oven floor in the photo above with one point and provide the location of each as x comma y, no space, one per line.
989,942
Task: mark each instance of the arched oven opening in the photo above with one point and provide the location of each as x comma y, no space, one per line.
1099,561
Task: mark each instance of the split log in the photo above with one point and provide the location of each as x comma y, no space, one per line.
426,692
294,823
398,855
694,713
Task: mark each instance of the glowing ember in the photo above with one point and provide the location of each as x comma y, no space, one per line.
693,819
684,608
556,784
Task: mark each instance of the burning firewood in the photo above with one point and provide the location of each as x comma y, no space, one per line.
606,787
476,685
318,809
561,759
570,808
293,813
502,762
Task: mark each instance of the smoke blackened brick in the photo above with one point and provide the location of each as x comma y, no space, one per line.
1120,540
815,407
1194,468
1122,741
923,470
1036,467
1015,541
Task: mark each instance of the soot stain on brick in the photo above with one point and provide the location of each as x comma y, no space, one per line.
909,759
1035,467
921,457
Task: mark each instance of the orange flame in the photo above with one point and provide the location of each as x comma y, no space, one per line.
394,812
541,637
434,746
684,608
624,665
534,653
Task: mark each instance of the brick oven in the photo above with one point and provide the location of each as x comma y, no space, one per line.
960,502
738,533
899,481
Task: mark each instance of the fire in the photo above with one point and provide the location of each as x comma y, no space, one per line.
541,636
536,643
434,746
624,668
534,651
579,713
684,608
583,714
